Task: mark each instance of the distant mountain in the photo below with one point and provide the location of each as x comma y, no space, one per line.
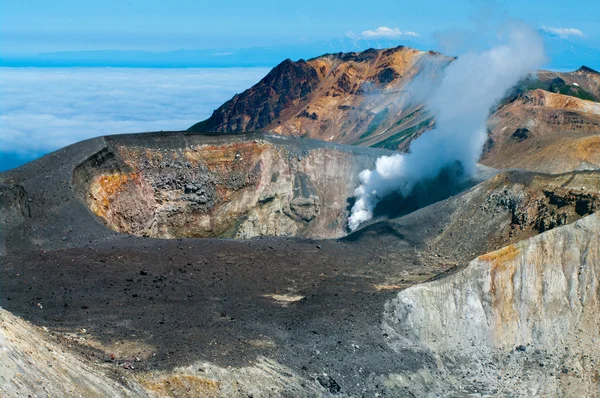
364,98
351,98
223,57
564,53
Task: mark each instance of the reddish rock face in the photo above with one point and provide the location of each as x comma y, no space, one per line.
352,98
256,109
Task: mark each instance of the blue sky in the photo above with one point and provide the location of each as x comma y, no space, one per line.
34,26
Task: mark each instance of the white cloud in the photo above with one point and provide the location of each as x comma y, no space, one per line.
43,109
387,33
563,32
351,35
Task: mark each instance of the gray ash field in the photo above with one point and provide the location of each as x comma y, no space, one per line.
185,264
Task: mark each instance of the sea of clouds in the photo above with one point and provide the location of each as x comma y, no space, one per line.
44,109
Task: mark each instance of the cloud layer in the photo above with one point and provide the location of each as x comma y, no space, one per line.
563,32
43,109
387,33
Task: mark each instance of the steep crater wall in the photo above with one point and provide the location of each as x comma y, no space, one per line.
239,188
520,321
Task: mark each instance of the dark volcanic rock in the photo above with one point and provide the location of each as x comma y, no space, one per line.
257,107
588,70
367,55
344,83
387,75
329,383
521,134
308,115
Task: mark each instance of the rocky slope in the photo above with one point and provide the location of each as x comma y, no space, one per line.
351,98
38,362
33,362
546,132
582,83
521,321
369,99
505,209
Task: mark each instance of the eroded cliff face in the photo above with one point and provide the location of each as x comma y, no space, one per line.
241,190
520,321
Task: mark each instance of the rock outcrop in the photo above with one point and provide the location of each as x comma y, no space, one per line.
258,108
520,321
508,207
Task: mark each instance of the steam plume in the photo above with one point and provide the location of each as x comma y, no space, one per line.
469,88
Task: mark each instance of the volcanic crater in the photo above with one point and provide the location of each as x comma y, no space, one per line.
243,189
303,308
491,290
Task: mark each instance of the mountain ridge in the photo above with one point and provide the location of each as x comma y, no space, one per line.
352,89
369,99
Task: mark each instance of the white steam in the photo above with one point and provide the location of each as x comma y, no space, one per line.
469,88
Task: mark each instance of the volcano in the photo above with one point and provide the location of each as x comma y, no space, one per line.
220,263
